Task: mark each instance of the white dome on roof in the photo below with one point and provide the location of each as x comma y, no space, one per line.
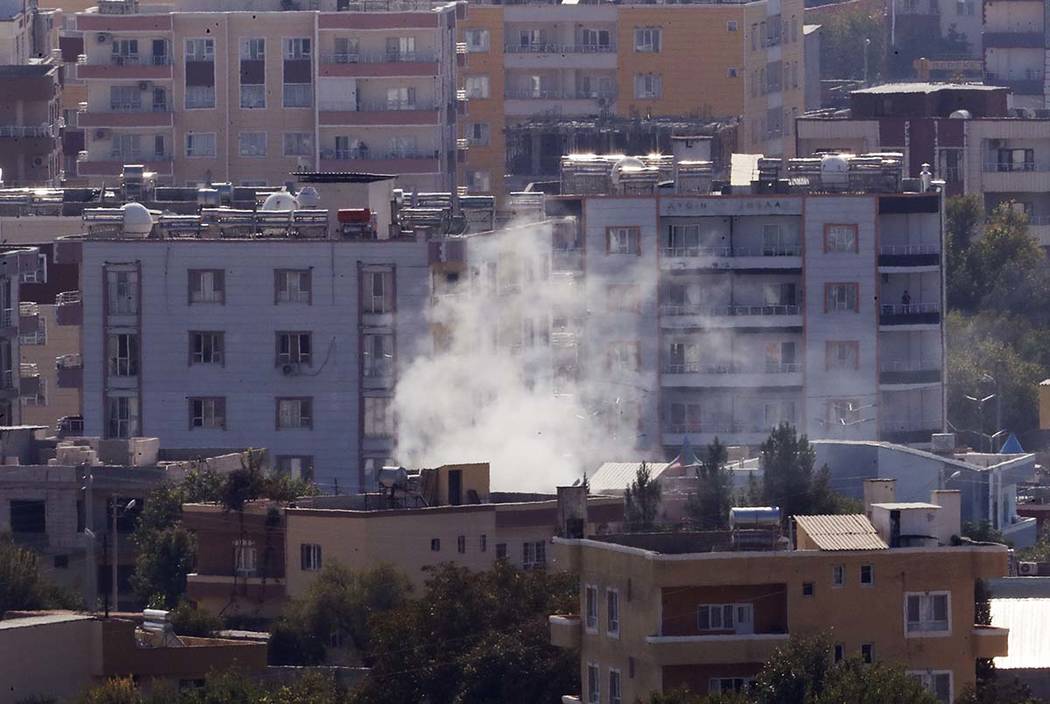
281,200
309,197
138,222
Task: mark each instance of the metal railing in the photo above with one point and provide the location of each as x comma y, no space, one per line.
698,368
68,361
719,427
348,154
555,48
1014,167
26,131
903,249
27,309
556,94
28,369
732,310
909,308
705,251
376,105
909,365
67,298
357,57
138,60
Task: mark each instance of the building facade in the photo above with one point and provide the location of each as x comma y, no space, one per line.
709,60
30,139
1015,50
964,132
248,95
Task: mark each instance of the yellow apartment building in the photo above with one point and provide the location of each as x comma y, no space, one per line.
662,612
697,60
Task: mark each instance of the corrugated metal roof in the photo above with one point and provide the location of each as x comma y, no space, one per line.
849,532
1029,624
904,505
617,476
918,87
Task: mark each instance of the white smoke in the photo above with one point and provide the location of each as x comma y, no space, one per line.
492,390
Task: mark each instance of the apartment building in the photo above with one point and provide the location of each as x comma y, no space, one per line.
15,320
423,518
231,328
691,60
30,139
965,133
1015,50
781,297
957,24
249,93
702,611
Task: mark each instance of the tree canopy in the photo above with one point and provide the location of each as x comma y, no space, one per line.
22,588
708,507
642,501
789,479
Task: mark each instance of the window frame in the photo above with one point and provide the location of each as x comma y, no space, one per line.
832,358
311,557
850,285
218,282
308,400
831,247
218,411
926,611
282,292
258,154
594,683
633,239
612,612
838,576
591,625
296,356
220,335
654,45
615,693
871,575
214,145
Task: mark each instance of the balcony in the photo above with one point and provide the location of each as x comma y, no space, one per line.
1032,85
909,255
909,373
69,426
990,641
69,369
127,115
28,318
526,101
714,650
113,166
1018,176
399,161
29,379
566,631
379,65
731,375
69,309
1012,40
734,316
910,314
123,68
734,432
382,112
704,257
553,55
27,131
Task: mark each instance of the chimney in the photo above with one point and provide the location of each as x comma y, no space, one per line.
878,491
949,518
572,511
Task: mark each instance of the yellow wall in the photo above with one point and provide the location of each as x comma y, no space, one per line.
489,158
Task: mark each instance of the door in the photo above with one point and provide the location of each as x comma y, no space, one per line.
160,52
745,621
455,487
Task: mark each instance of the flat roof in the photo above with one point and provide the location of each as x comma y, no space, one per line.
905,505
848,532
920,87
25,70
340,176
44,619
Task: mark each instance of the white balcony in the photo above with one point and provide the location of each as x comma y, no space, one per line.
676,316
702,257
731,375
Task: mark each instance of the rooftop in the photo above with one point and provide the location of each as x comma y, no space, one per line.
846,532
26,70
42,619
906,505
926,88
1029,624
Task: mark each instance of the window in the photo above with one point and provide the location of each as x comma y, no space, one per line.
297,49
593,684
379,416
838,575
200,50
591,608
715,617
867,574
377,291
685,417
292,286
842,355
125,98
477,40
807,589
347,50
401,48
478,134
647,85
647,39
28,516
200,144
122,416
461,544
501,551
730,25
623,357
252,144
479,181
484,543
123,353
253,96
927,613
207,348
867,652
298,95
939,684
435,544
298,144
623,240
840,652
622,298
615,694
840,238
1016,159
198,97
208,413
293,348
296,466
122,291
720,685
207,286
533,555
310,557
476,86
244,556
612,603
293,413
378,354
253,49
840,298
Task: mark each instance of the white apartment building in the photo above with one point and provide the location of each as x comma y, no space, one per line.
722,314
272,329
248,92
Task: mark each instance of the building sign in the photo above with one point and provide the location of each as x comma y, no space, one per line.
729,206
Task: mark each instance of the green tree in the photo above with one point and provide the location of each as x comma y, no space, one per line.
119,690
789,479
962,222
842,44
187,620
21,586
469,629
642,501
165,550
709,506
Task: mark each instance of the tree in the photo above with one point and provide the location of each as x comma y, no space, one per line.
119,690
641,500
165,550
475,637
21,586
709,506
188,620
788,478
842,44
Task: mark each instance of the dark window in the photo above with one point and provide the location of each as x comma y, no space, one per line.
461,544
867,574
61,562
867,652
807,589
501,551
28,516
484,542
435,544
839,652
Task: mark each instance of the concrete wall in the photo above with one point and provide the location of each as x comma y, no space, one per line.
45,660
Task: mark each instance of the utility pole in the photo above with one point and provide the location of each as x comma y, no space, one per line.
115,555
90,564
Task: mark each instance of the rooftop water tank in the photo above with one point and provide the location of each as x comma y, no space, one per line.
138,222
281,200
834,170
754,517
308,197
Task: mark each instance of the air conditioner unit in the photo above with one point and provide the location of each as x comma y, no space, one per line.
290,369
145,85
102,37
1028,569
101,134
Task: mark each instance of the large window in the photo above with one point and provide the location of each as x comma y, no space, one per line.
200,97
244,557
253,96
298,144
685,417
293,348
28,516
648,85
841,297
207,347
840,238
200,50
310,557
252,144
842,355
615,690
725,617
123,353
594,691
200,144
292,286
590,596
476,86
253,49
122,416
207,286
298,95
533,555
377,291
297,49
647,39
477,40
612,603
378,354
937,683
125,98
623,240
122,291
208,412
927,613
379,416
478,134
296,466
294,413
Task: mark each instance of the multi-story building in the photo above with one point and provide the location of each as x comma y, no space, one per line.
30,142
788,300
229,329
15,320
702,59
249,94
702,611
1015,50
965,133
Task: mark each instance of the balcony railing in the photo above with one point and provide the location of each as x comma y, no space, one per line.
67,298
28,369
698,368
68,361
556,94
376,105
909,314
909,371
7,318
26,131
731,310
347,154
132,60
721,427
909,249
554,48
704,251
1017,166
356,57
